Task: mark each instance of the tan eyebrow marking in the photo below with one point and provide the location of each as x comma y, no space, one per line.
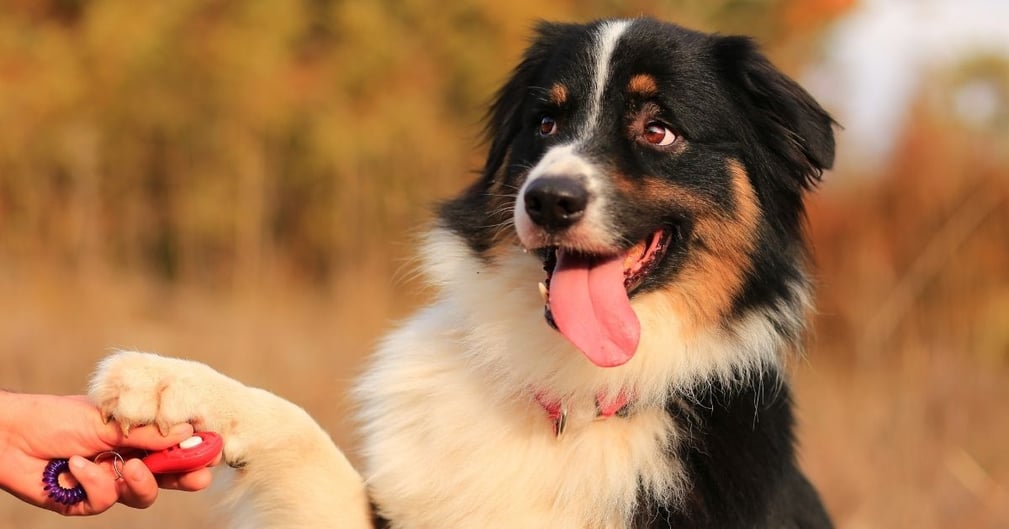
558,94
643,85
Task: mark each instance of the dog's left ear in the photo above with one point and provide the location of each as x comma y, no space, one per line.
791,123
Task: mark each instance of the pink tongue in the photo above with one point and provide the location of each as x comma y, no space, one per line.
591,309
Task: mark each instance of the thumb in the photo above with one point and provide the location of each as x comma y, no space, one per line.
99,485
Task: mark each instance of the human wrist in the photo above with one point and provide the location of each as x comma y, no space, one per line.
12,404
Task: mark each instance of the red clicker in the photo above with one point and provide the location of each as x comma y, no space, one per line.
194,453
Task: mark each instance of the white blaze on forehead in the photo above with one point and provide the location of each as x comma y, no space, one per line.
562,160
602,55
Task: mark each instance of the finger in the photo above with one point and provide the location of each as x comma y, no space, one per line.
138,488
190,481
99,485
147,437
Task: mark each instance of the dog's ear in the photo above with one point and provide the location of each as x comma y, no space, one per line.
504,119
789,121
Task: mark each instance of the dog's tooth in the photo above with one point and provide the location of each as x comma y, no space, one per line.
543,290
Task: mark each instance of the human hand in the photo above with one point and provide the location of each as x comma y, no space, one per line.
37,428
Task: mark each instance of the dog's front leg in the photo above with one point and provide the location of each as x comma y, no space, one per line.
289,474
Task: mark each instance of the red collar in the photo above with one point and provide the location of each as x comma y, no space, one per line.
558,414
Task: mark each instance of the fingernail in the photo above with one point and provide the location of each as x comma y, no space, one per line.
78,462
137,472
179,429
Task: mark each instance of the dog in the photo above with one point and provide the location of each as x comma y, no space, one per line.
618,297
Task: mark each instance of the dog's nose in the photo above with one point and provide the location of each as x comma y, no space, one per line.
555,203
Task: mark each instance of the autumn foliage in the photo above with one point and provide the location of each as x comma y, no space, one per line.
208,140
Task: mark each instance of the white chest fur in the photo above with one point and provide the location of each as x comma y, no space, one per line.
447,449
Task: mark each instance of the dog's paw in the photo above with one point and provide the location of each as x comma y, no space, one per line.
136,389
275,442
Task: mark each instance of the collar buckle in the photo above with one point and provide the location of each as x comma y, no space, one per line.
560,421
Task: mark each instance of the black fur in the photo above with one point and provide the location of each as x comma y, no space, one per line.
377,521
740,462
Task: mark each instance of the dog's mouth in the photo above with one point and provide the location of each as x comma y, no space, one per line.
587,296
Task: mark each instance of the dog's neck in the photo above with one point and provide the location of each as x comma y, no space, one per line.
606,407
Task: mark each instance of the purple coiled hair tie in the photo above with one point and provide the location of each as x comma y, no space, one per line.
59,493
76,494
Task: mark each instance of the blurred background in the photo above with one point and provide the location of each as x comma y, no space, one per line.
241,182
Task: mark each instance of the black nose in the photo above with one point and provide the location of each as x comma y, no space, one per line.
554,202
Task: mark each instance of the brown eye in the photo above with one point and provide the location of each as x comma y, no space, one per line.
548,126
658,134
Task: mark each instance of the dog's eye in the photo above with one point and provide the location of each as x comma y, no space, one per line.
656,133
548,126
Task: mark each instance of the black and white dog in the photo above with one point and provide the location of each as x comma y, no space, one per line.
617,296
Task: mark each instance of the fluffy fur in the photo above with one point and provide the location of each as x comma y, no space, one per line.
680,155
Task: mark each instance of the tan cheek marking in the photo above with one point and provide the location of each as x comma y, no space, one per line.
558,94
643,85
652,191
714,271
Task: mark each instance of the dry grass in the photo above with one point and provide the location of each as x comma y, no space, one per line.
917,444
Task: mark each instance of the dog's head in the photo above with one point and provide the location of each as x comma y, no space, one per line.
634,156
